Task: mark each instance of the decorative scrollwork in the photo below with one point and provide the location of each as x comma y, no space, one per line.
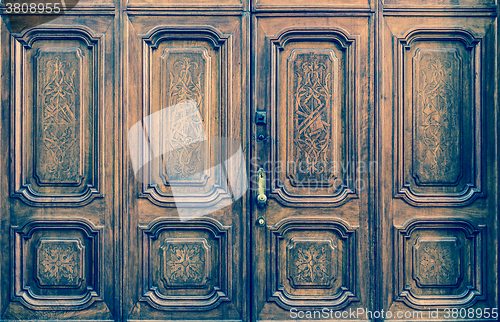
437,146
59,152
186,82
312,96
440,159
440,263
56,121
185,71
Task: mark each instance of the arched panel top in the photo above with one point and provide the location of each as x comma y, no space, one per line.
162,33
337,34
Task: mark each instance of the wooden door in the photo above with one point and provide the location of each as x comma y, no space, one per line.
438,152
186,219
138,136
313,240
59,240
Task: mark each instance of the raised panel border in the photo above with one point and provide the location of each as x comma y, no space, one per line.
150,293
20,187
472,294
348,43
24,294
221,42
402,189
277,294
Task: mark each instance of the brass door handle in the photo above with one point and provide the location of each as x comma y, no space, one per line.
261,188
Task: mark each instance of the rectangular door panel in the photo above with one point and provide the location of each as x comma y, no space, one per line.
58,198
309,238
186,137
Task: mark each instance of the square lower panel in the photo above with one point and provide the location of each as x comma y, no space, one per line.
185,264
312,263
57,264
440,263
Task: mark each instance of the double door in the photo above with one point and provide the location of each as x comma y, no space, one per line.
263,161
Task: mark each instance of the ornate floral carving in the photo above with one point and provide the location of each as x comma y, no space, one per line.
440,262
311,87
59,262
437,132
171,281
58,150
186,81
437,261
185,73
185,263
324,275
56,273
310,262
313,99
440,161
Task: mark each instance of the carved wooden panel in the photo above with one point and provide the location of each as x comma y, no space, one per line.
185,262
185,77
186,73
440,263
186,266
57,264
57,100
439,123
437,91
312,263
437,261
313,83
313,87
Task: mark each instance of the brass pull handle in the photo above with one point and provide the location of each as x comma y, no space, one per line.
261,188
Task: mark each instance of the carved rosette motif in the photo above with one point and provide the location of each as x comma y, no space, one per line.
440,263
60,262
437,261
185,262
438,136
311,262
